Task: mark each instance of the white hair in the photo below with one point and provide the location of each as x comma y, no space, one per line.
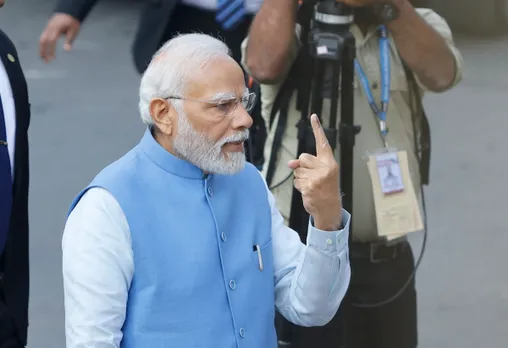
172,65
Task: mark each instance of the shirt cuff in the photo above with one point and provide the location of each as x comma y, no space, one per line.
329,241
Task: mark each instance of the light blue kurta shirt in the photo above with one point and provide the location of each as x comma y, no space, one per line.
99,268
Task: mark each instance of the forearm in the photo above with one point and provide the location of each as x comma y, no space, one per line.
270,39
425,51
312,294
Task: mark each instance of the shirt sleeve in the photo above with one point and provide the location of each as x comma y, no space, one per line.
97,271
310,280
442,28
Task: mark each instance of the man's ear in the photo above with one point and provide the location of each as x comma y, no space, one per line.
162,114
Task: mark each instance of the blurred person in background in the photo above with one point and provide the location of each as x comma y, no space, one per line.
421,57
14,268
159,21
179,244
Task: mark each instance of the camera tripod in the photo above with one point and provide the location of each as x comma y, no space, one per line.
329,64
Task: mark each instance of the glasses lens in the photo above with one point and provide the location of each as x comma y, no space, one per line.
248,101
227,106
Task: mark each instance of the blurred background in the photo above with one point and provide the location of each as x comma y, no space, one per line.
84,115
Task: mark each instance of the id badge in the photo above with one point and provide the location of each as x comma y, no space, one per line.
395,201
389,173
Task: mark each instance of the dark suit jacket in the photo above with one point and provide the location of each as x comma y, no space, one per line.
14,269
153,22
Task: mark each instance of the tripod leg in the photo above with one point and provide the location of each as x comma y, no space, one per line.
347,128
334,334
330,335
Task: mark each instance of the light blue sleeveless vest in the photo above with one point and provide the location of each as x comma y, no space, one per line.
197,280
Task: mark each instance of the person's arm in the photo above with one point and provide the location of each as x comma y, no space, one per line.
271,45
425,43
310,280
97,268
66,20
78,9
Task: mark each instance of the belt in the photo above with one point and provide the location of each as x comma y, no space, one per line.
377,252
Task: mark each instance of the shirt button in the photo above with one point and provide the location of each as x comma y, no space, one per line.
242,332
210,192
232,284
329,242
223,236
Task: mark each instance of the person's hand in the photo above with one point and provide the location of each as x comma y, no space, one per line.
317,179
59,24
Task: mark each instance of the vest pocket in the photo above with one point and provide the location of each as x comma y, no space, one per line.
262,257
262,274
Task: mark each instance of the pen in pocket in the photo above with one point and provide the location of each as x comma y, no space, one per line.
260,257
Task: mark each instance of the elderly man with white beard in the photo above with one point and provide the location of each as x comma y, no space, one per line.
179,244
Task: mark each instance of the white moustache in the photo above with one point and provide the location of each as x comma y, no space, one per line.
240,136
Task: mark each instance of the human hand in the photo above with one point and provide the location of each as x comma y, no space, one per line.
317,179
59,24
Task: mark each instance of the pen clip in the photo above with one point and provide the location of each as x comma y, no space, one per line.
3,142
260,257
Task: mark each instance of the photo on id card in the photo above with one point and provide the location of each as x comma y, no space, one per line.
389,171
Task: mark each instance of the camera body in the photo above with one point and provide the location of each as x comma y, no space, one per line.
331,22
333,16
335,13
336,9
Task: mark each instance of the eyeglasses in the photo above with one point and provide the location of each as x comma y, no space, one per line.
226,105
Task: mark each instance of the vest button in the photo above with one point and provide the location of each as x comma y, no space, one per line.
223,236
210,192
232,284
242,332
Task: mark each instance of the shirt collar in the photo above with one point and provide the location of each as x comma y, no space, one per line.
361,39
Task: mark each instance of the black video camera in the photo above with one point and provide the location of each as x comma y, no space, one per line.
331,20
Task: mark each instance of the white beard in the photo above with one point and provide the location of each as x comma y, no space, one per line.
206,154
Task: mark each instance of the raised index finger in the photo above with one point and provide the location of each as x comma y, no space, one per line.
323,148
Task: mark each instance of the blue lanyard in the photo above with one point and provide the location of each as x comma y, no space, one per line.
385,80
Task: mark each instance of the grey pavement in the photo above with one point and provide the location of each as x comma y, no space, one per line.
84,116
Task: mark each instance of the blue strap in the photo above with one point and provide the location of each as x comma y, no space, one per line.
384,53
230,13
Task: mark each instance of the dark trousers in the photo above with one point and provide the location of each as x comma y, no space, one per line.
393,325
188,19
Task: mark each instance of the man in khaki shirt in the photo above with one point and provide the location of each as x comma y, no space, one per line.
424,41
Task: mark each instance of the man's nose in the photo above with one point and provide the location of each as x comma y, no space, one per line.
242,118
